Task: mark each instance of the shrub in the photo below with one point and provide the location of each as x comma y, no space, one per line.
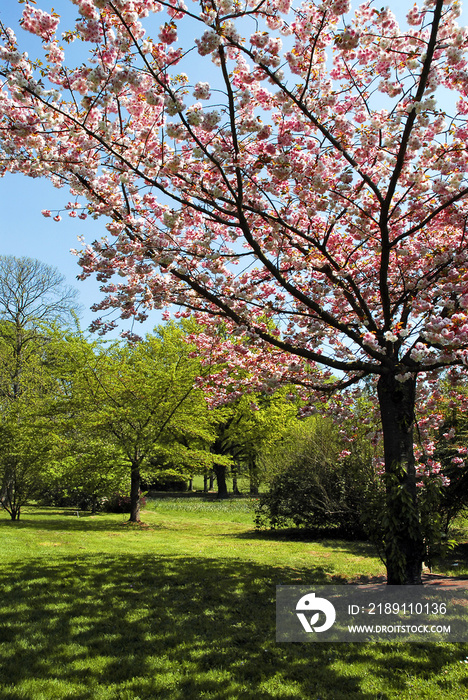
312,487
70,498
118,503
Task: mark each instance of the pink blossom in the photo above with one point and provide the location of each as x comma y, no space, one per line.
39,22
202,91
458,461
168,33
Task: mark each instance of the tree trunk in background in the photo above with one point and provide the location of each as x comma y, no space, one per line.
135,493
253,476
235,487
220,472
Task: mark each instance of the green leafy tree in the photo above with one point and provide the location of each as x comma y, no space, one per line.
139,398
25,436
187,447
86,464
33,297
252,428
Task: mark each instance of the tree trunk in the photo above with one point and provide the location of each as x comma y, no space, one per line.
8,498
13,511
220,471
403,541
135,494
235,486
253,478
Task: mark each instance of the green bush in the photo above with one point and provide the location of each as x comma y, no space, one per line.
70,498
311,486
454,496
119,503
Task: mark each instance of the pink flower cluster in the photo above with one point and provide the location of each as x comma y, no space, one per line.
90,30
208,43
340,7
168,33
348,39
260,39
39,22
202,91
55,53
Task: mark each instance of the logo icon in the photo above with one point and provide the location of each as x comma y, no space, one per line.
309,603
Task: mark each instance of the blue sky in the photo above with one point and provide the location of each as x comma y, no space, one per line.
23,229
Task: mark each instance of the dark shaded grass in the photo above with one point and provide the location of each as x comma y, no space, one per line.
68,520
179,628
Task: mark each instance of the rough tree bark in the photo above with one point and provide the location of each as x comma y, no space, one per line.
403,539
135,493
220,472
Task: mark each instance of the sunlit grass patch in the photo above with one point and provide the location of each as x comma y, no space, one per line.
232,509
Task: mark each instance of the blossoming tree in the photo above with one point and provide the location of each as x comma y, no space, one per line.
294,175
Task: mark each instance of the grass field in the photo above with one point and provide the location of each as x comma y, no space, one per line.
183,607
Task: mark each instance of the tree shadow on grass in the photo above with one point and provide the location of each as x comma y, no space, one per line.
152,627
69,521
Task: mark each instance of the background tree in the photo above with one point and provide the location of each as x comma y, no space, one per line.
33,296
137,397
86,465
85,471
189,446
26,439
32,292
23,460
320,187
253,427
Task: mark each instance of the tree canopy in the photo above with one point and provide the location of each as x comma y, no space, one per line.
131,400
33,292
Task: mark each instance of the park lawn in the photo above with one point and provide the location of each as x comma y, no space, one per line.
183,607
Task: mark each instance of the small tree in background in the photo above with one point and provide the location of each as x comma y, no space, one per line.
253,426
134,397
26,439
33,297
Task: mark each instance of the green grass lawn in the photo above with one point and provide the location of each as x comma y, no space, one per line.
183,608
